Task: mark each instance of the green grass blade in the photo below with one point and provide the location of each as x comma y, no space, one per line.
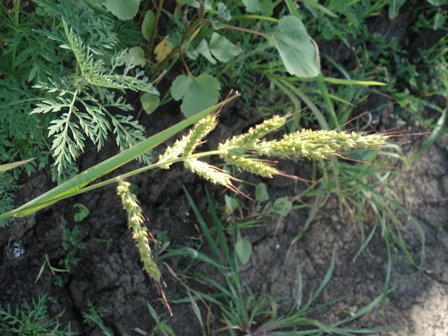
204,227
364,244
314,210
195,255
291,5
322,285
317,114
218,227
435,134
340,81
196,310
327,99
8,166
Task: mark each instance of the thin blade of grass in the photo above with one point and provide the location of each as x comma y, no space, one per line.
364,244
340,81
327,100
317,113
218,227
314,210
204,227
9,166
435,134
196,310
196,255
322,285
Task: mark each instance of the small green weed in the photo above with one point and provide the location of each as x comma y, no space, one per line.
161,327
32,319
71,245
95,316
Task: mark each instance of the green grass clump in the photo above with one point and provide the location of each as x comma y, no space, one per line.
243,312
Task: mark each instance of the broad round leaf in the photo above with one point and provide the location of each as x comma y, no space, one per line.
122,9
297,50
197,93
282,206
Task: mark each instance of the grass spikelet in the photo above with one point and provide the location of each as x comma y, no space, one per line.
255,134
209,172
254,166
320,144
139,231
188,143
199,132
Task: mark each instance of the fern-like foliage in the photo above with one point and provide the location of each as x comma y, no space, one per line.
83,100
7,186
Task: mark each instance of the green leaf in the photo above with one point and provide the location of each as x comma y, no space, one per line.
139,56
439,21
437,2
122,9
313,6
297,50
82,213
149,102
148,24
266,7
204,50
394,8
243,249
282,206
261,193
197,93
223,49
231,204
196,309
13,165
223,12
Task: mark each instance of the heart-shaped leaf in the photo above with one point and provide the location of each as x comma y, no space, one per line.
122,9
197,93
297,50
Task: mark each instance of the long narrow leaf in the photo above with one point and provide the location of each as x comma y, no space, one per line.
77,183
341,81
204,227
